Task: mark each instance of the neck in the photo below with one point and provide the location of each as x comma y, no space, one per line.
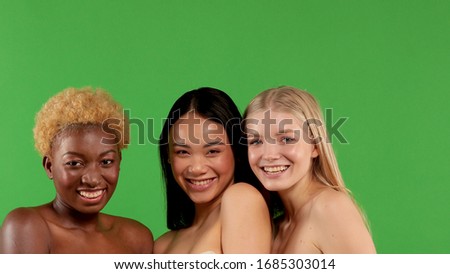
73,219
297,196
204,211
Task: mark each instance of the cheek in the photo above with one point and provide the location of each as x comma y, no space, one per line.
253,155
64,177
300,156
225,164
177,166
112,174
298,150
292,152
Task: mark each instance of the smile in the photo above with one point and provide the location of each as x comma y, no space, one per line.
274,169
200,182
91,194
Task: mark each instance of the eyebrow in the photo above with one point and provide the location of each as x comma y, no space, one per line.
81,154
285,131
210,144
214,143
108,151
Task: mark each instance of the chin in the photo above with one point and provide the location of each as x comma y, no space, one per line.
199,201
271,186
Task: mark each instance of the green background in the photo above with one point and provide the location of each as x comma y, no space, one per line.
383,64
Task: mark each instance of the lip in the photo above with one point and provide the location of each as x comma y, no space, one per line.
200,184
91,195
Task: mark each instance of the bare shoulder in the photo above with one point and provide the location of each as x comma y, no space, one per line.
23,217
340,225
245,220
242,199
329,202
133,225
24,230
135,233
163,242
22,214
242,193
331,208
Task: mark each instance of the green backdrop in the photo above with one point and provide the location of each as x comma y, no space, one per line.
383,64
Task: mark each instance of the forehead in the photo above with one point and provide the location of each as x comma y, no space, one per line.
88,139
192,128
274,120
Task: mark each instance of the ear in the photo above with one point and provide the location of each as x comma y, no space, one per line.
47,163
315,152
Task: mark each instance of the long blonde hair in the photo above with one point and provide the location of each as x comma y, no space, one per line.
305,107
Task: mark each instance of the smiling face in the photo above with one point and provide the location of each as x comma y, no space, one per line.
279,152
201,158
84,170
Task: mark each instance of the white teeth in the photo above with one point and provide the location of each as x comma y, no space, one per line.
275,169
90,194
201,183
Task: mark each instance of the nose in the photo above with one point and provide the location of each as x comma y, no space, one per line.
270,152
92,177
198,166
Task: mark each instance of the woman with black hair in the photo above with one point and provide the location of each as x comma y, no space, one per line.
213,201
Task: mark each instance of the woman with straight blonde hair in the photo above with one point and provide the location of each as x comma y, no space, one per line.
290,153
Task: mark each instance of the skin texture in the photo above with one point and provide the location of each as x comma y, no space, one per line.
202,159
85,174
318,219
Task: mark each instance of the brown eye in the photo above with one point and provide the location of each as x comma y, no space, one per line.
107,162
73,163
182,153
213,151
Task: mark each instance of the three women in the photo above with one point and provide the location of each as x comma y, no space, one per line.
214,202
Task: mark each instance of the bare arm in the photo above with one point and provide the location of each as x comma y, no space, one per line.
140,236
24,231
245,220
148,241
163,242
341,228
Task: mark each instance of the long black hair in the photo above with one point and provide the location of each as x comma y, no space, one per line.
214,104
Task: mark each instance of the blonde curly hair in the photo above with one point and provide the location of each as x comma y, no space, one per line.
79,107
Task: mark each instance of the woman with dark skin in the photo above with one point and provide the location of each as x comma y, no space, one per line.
80,134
